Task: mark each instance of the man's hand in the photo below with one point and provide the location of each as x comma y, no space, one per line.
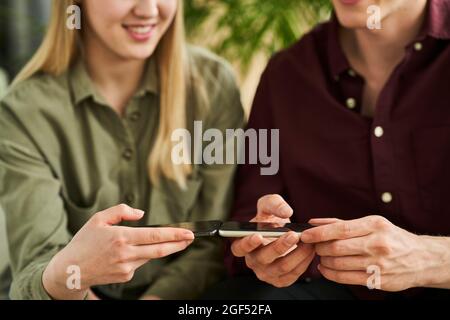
348,248
278,262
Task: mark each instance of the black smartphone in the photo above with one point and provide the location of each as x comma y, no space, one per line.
200,228
235,229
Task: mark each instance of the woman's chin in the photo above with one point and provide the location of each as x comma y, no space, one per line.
137,54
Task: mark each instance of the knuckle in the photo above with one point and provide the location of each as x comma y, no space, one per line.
124,269
128,277
345,229
122,256
381,223
261,201
97,218
276,201
335,248
281,248
154,236
123,207
275,198
119,241
159,252
284,267
262,259
320,233
320,250
382,247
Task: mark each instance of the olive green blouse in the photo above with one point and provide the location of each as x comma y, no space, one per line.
65,155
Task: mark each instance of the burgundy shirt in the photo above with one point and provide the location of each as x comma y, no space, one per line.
335,162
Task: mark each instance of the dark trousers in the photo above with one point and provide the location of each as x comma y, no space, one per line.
250,288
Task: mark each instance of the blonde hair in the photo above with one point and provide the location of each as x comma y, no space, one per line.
59,50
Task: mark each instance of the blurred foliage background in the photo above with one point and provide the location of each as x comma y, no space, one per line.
240,29
246,32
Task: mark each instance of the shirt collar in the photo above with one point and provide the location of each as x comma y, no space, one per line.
438,19
83,88
436,26
337,60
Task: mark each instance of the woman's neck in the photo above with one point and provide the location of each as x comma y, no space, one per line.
116,78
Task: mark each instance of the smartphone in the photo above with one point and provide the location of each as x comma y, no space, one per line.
269,230
199,229
234,229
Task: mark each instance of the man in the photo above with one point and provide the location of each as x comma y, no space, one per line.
364,119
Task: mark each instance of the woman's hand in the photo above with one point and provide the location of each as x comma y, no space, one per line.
373,252
278,262
105,253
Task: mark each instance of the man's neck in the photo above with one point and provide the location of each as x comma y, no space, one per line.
383,49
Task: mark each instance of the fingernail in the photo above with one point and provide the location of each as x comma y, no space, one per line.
291,239
189,235
139,212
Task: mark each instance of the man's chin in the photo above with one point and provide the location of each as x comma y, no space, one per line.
353,22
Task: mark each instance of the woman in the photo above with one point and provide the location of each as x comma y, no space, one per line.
87,126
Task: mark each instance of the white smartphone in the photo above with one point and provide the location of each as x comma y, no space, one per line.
269,230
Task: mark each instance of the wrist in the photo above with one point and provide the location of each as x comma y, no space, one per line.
57,282
436,266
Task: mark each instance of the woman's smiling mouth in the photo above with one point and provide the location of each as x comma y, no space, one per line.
140,32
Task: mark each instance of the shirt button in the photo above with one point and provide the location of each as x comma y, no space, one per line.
135,116
386,197
418,46
308,280
379,132
127,154
351,103
351,73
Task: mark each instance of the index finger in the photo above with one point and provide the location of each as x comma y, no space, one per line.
340,230
146,235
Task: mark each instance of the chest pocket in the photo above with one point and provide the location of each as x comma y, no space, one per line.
432,159
170,204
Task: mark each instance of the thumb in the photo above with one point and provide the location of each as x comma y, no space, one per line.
273,205
119,213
